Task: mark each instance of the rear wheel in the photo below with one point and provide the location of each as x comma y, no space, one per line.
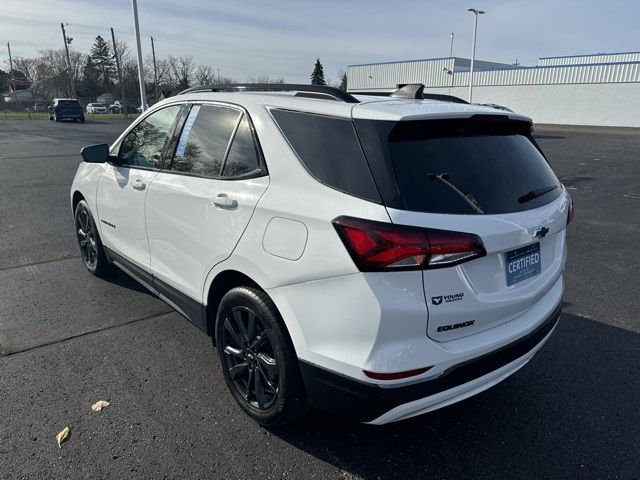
91,248
257,358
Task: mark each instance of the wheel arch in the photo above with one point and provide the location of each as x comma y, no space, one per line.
75,199
221,284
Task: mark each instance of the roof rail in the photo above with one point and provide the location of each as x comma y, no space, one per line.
319,90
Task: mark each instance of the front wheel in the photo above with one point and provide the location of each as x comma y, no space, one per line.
257,358
91,248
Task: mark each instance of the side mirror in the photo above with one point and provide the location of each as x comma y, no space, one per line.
95,153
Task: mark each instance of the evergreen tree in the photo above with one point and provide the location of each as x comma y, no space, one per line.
100,69
90,79
343,81
317,77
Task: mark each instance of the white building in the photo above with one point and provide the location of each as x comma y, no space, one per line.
599,89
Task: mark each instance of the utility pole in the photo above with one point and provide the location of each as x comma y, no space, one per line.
143,95
115,54
476,13
453,63
66,48
155,68
13,80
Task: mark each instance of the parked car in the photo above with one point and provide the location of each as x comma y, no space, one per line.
66,109
96,108
118,107
41,106
374,257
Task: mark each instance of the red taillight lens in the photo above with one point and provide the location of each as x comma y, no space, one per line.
571,212
378,246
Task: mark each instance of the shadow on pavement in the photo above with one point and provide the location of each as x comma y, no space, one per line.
572,412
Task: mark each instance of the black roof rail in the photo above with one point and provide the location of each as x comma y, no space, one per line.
318,90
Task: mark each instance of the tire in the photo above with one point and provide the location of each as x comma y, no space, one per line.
259,363
81,119
91,249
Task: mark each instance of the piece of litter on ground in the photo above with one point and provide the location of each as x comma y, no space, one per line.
62,436
99,405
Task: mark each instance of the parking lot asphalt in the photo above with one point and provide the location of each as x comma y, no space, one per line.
68,339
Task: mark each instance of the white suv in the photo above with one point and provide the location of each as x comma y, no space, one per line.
374,257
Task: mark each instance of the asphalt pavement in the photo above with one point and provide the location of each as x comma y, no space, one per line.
68,339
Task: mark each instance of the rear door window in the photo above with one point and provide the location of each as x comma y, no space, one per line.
205,139
466,166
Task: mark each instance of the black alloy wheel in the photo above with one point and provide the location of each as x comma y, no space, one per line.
91,249
86,238
257,357
249,358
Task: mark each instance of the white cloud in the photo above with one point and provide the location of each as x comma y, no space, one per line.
247,38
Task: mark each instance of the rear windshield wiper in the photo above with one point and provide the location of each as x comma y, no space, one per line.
538,192
467,197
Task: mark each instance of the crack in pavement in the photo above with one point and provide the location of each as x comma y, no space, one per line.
41,262
8,353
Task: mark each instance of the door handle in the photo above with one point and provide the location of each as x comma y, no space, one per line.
139,185
223,200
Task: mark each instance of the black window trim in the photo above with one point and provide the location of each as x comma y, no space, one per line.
261,171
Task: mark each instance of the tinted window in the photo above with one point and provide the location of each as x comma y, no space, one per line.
329,149
204,140
243,157
448,166
69,103
143,146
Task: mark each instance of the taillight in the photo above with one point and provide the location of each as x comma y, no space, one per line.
571,212
376,246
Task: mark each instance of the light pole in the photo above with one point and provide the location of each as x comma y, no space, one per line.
475,12
451,49
143,95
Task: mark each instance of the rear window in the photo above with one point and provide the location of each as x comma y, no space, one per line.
463,166
68,103
328,148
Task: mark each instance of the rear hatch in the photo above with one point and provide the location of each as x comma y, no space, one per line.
69,107
482,175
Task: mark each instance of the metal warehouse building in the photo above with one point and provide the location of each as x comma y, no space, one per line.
599,89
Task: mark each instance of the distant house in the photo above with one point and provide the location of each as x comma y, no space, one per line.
106,98
22,96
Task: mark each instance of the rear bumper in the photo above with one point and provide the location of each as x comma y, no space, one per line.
370,403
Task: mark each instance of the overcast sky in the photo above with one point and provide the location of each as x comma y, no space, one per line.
282,38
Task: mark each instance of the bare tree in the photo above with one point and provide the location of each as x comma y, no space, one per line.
163,72
181,71
54,62
204,75
265,79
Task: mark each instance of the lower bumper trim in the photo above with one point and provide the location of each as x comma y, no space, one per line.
364,402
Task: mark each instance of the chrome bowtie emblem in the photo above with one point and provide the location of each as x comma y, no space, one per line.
541,232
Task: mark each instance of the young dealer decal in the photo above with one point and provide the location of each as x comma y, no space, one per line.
447,298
